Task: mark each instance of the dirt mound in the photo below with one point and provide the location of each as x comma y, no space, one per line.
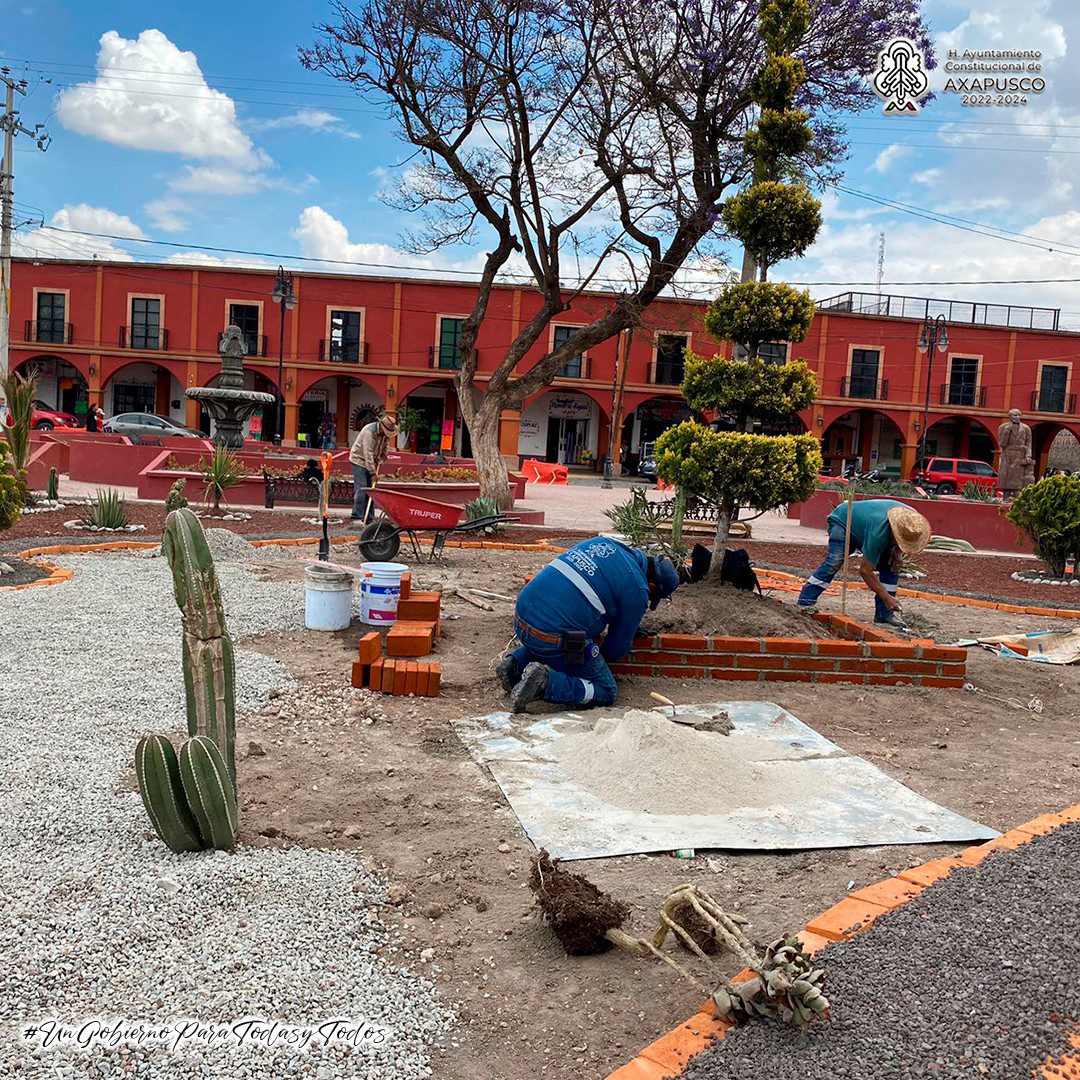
579,913
704,608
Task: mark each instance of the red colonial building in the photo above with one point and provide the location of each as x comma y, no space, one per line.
133,336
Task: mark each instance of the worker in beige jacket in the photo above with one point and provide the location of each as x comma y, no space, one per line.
368,452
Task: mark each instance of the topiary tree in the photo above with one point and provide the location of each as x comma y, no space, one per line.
775,219
1049,512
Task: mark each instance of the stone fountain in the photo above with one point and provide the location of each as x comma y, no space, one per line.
230,403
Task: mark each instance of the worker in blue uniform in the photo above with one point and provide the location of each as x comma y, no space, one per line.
577,614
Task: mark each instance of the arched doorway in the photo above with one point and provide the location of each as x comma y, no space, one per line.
60,384
437,423
864,438
645,423
563,427
142,387
959,437
1055,446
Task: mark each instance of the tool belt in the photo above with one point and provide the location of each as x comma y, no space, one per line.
574,643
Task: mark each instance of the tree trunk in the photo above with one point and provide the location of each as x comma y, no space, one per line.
491,471
723,524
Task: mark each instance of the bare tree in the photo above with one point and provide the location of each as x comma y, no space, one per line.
599,133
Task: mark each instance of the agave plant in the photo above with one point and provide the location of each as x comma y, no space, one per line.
222,471
106,510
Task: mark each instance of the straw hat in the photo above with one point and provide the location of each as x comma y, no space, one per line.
909,528
388,425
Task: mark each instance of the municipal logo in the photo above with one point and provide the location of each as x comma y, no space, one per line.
900,78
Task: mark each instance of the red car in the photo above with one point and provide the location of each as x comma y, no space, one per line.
948,476
44,418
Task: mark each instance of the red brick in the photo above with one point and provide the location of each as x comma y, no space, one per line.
369,648
953,669
400,672
932,680
359,674
914,667
656,656
944,652
848,917
860,665
928,873
410,639
684,642
387,683
890,893
406,587
870,634
736,644
799,663
788,645
412,671
643,642
718,660
892,680
420,607
375,674
683,672
434,680
758,663
788,676
736,676
633,669
829,677
899,650
838,648
422,670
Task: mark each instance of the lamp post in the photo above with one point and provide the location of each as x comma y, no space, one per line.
934,335
283,294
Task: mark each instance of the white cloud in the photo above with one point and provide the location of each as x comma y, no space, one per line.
151,95
318,120
927,177
167,214
891,156
71,245
217,180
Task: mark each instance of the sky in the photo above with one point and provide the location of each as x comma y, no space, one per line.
215,135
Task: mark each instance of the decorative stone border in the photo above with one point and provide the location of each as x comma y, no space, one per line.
59,573
670,1054
1037,577
866,657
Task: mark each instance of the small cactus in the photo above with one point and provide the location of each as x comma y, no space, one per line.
175,500
52,489
210,792
162,791
209,663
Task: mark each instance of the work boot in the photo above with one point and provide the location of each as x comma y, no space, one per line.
509,673
893,622
531,687
806,609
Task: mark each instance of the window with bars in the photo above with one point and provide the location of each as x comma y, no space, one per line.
1053,382
246,317
51,317
773,352
450,344
572,369
345,337
963,380
145,322
670,358
865,365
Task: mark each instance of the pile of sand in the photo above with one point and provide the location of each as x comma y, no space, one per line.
227,546
646,763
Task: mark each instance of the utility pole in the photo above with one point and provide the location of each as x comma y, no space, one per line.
9,121
880,268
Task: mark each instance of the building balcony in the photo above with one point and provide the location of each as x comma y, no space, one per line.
48,332
578,368
1047,402
1016,316
864,389
343,352
666,374
442,361
964,397
138,337
254,344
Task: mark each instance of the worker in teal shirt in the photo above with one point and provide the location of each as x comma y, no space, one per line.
884,530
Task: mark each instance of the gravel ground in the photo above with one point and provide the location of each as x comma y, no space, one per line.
101,920
975,977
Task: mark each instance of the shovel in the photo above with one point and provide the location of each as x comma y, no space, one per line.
326,460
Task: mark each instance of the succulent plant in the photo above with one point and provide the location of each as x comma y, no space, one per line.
208,658
176,499
158,774
52,489
210,792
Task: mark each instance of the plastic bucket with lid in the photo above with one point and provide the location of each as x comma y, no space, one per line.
379,592
328,594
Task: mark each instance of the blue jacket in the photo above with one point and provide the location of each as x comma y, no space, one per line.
598,584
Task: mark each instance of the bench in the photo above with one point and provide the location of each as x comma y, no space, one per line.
304,489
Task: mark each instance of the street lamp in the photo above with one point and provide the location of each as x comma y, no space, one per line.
934,335
283,294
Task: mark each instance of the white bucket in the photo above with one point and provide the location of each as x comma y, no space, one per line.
379,592
328,594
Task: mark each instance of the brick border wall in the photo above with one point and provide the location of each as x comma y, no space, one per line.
861,655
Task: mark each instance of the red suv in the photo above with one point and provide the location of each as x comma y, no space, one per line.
43,418
947,476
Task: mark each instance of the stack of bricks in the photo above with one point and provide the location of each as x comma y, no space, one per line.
868,657
412,635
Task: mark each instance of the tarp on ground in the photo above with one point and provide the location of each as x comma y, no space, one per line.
833,799
1041,647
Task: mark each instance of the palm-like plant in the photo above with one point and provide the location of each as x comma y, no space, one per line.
106,511
222,471
19,390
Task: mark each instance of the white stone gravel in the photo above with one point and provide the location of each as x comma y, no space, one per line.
99,919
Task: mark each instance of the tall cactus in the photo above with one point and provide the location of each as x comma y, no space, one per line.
162,791
209,662
52,489
210,792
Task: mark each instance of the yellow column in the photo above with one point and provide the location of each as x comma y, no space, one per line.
292,409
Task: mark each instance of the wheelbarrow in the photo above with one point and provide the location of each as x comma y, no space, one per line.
412,515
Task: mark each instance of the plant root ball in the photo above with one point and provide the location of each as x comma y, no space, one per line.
704,936
578,912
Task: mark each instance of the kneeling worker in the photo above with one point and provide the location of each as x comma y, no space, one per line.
598,585
884,530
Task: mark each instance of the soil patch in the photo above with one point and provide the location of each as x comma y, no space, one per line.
704,608
21,572
578,913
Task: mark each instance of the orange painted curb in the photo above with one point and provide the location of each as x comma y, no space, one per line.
669,1055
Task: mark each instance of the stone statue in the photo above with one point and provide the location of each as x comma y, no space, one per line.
1017,467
